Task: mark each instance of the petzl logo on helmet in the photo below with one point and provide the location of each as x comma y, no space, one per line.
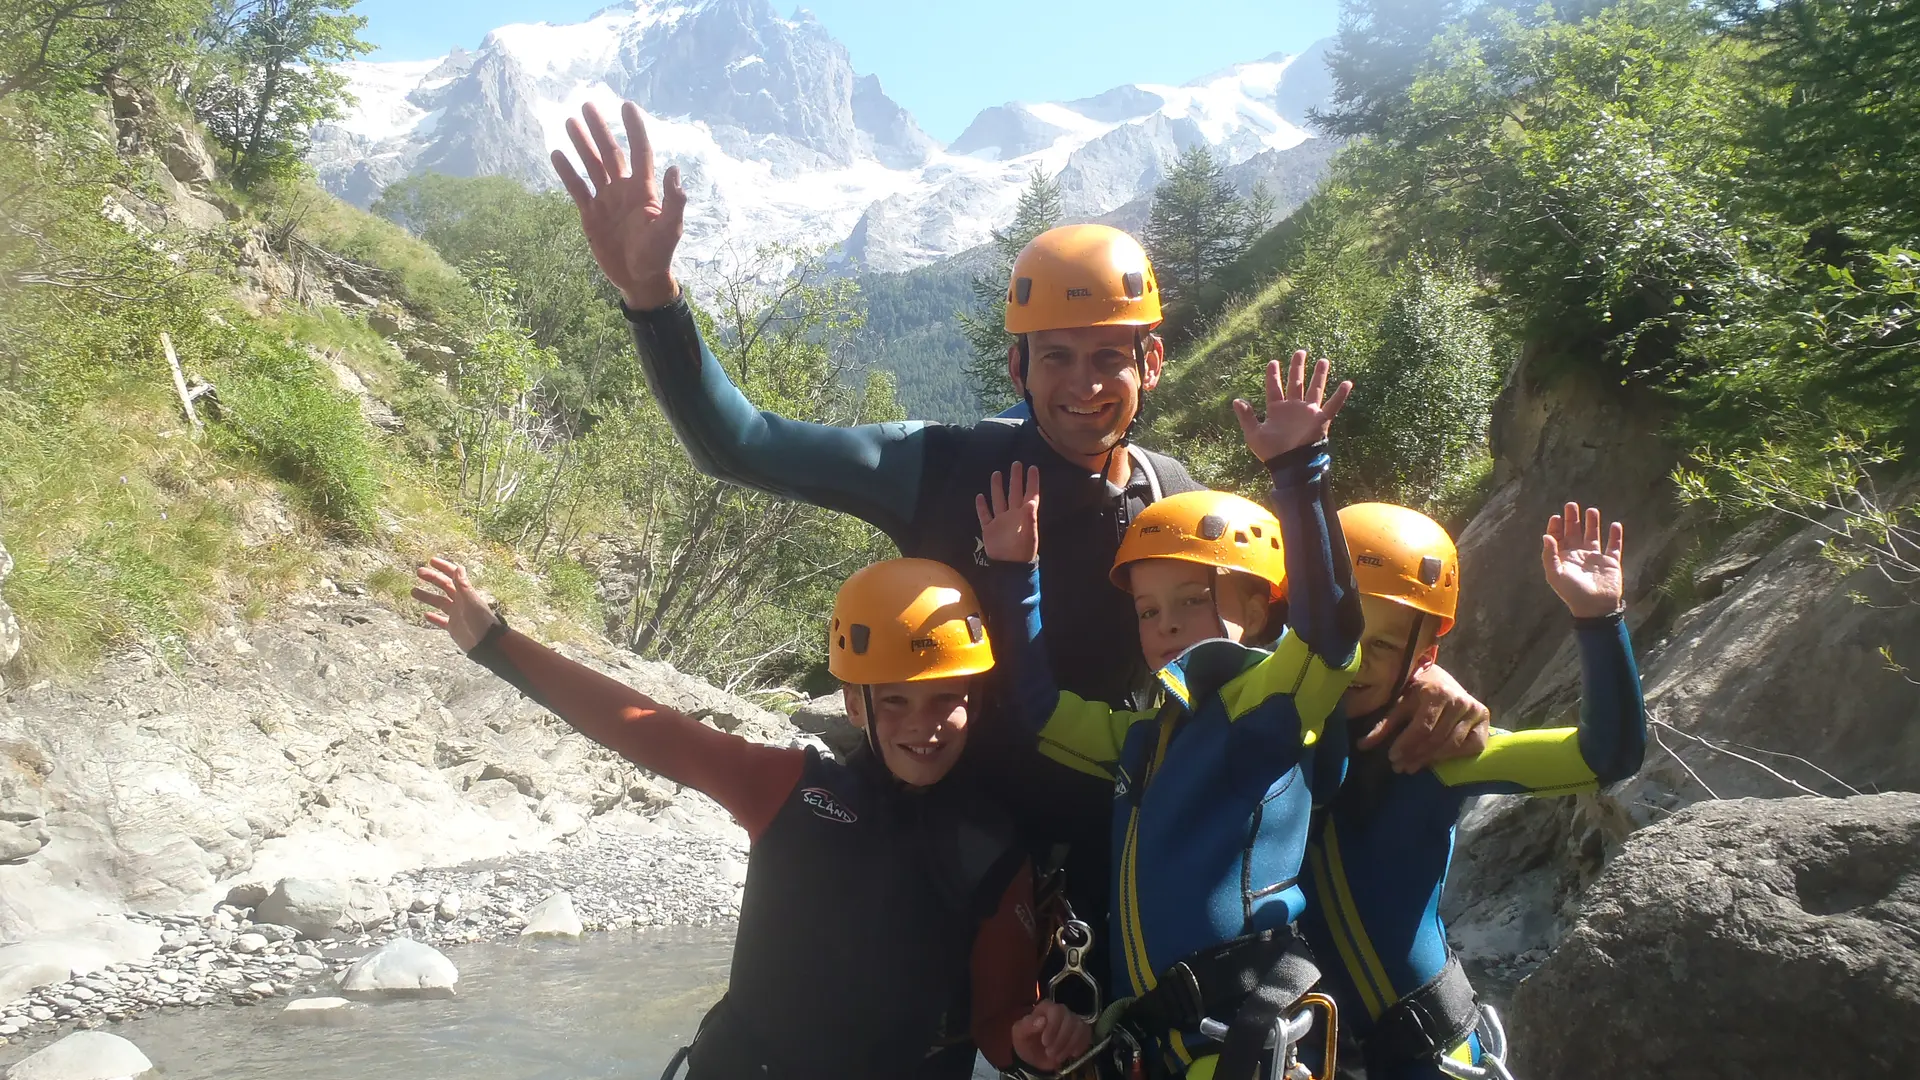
1075,294
823,804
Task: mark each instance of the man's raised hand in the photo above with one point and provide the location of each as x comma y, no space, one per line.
632,222
1009,515
1584,572
1296,415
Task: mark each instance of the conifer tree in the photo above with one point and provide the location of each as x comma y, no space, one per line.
984,323
1199,223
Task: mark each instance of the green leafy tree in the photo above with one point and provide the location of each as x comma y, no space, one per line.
984,322
1837,107
266,78
1199,223
54,47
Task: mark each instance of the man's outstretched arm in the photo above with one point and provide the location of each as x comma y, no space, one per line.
633,220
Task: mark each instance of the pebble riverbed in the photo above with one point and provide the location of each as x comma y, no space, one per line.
620,881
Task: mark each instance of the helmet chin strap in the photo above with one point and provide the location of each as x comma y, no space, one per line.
1407,657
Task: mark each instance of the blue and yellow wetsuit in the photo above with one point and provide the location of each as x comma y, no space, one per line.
1211,807
1378,859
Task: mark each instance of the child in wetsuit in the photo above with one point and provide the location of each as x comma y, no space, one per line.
1211,806
1378,859
885,897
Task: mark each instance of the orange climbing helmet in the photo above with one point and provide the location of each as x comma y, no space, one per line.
1082,275
1404,556
906,620
1212,528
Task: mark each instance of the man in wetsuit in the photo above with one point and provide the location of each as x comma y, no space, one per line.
1082,306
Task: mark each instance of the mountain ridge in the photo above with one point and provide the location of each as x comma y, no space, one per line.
779,139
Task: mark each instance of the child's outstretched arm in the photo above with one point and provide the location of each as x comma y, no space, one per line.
1585,571
751,780
1080,734
1323,606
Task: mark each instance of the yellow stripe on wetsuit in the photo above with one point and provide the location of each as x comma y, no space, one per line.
1343,919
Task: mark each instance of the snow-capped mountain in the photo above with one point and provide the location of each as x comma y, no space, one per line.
779,140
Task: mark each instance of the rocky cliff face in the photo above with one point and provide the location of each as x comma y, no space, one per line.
1761,669
339,741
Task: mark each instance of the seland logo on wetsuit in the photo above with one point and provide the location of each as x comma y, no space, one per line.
823,804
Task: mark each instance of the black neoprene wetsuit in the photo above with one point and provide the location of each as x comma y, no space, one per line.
916,482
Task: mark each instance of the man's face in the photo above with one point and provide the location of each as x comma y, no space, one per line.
1085,385
1383,651
921,727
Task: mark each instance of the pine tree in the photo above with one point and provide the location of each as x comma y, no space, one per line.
985,321
1199,223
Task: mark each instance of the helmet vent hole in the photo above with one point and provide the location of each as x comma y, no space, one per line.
1255,530
843,641
1135,283
1022,290
1240,538
862,637
1275,541
1430,570
1213,527
975,630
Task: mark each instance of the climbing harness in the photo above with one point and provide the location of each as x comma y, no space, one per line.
1493,1052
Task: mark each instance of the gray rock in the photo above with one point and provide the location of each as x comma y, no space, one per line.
449,906
319,1010
186,155
274,932
248,894
311,907
826,717
249,943
554,917
401,967
1740,939
83,1055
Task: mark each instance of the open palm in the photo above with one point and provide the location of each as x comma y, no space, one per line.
1584,571
1296,415
633,222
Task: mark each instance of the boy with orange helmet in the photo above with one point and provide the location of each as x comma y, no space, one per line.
888,901
1211,802
1380,851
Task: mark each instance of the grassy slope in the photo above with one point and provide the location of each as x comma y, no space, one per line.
127,527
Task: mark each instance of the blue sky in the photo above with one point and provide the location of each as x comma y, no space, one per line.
945,60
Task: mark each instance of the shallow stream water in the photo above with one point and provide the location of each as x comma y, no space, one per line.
615,1005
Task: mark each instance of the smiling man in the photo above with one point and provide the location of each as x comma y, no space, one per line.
1082,305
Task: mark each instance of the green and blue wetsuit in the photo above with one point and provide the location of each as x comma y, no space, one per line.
1211,803
1378,859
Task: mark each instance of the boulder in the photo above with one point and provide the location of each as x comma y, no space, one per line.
401,968
826,717
313,907
554,917
1751,939
79,950
83,1055
186,155
248,894
319,1011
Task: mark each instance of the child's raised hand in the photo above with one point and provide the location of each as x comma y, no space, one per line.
1585,574
1010,515
1051,1036
463,611
1295,415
